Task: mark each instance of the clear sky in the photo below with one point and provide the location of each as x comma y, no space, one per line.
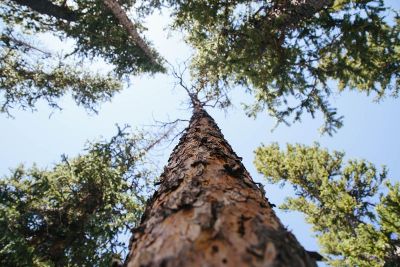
371,131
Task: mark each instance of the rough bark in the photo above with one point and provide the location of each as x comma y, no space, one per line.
208,211
48,8
124,20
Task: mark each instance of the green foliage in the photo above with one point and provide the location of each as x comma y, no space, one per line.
72,214
389,210
97,34
24,83
287,52
29,73
354,226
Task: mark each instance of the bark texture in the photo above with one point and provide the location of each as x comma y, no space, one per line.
209,212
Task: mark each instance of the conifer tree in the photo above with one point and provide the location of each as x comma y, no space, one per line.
31,71
208,211
290,54
207,208
353,208
74,213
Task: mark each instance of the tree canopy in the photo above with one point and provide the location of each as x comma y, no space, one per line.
352,206
288,53
74,213
30,72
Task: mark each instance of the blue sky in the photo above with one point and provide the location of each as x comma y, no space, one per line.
371,131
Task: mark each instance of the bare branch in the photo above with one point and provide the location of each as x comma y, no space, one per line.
167,130
200,93
19,42
170,127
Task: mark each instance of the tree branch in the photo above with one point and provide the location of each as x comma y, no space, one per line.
123,19
48,8
291,12
315,255
7,38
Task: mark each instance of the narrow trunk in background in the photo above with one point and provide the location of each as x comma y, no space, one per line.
124,20
209,212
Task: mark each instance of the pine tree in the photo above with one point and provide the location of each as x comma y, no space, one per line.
74,213
209,212
284,52
352,206
30,71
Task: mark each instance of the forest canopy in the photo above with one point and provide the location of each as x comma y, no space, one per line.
30,72
291,56
288,54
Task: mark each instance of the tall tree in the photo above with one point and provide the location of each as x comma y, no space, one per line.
73,214
355,218
287,53
209,212
99,29
284,52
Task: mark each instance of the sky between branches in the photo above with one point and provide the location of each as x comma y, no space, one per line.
370,130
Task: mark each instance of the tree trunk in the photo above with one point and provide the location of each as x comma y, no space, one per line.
124,20
49,8
209,212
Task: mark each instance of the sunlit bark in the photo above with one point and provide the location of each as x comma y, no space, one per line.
209,212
